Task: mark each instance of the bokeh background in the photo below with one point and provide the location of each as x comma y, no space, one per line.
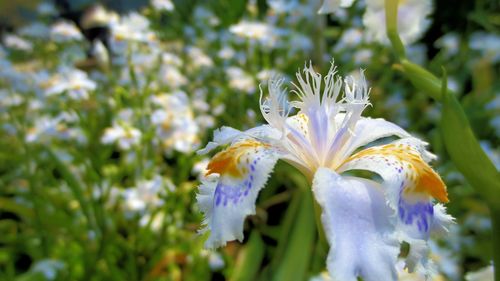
104,104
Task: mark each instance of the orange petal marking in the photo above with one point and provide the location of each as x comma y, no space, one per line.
424,178
226,162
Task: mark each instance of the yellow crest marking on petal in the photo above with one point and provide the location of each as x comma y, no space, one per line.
226,162
422,177
299,122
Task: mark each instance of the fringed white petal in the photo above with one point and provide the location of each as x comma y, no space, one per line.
222,136
402,168
227,135
419,146
442,221
409,184
275,108
417,234
368,130
226,201
418,254
357,223
355,100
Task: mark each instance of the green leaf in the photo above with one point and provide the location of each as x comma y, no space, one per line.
300,245
31,276
250,258
228,11
286,228
73,182
465,151
14,207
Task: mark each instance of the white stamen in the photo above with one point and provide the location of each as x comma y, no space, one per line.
320,143
275,109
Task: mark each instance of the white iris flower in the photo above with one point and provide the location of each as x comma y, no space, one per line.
364,220
413,18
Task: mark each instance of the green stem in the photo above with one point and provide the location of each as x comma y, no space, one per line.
319,40
37,209
391,22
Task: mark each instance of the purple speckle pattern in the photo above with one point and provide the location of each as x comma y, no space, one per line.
419,213
233,194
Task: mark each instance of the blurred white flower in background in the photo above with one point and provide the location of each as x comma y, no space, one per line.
48,268
203,118
413,20
198,57
100,53
171,59
47,8
98,16
200,168
7,99
283,6
494,106
218,109
487,44
205,18
153,220
18,43
330,6
162,5
74,82
59,127
240,80
492,152
65,31
35,30
215,261
299,42
363,56
446,260
172,77
134,27
122,132
351,37
226,53
449,44
146,194
254,31
142,61
266,74
176,128
125,136
417,53
42,126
